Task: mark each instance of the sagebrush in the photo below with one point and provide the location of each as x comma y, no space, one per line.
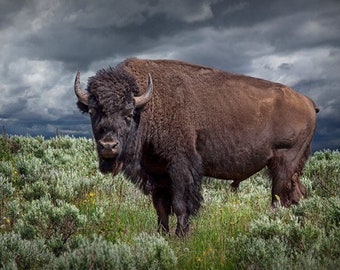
57,211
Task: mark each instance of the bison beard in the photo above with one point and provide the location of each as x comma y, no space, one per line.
108,165
199,122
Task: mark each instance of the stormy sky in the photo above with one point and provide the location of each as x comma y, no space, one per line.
44,42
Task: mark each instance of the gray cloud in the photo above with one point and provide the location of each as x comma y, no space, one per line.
43,43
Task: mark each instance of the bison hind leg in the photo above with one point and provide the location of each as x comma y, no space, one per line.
235,184
285,168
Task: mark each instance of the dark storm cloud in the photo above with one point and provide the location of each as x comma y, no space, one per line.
84,31
8,10
43,43
328,129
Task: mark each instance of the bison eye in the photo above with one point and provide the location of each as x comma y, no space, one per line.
128,117
92,111
127,114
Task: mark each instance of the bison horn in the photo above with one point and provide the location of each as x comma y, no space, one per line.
82,96
145,98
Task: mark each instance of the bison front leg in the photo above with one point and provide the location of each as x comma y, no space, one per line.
182,214
161,199
187,198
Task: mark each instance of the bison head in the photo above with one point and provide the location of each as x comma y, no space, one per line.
114,107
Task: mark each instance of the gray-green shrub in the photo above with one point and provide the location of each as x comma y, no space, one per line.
53,198
153,252
96,253
54,222
146,252
19,253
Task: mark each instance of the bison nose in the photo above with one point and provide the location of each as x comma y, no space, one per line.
109,145
109,148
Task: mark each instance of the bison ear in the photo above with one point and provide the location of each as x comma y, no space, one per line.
82,107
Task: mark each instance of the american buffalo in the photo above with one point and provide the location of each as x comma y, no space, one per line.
166,124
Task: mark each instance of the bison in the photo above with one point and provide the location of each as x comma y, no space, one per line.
166,124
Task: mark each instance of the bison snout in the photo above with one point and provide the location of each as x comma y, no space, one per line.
109,145
109,149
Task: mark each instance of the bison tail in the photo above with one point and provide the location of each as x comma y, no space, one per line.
316,108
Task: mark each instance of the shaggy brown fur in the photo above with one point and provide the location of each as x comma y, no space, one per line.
200,122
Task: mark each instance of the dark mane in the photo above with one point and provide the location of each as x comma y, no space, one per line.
113,81
132,159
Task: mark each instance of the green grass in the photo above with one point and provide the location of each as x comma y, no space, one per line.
57,211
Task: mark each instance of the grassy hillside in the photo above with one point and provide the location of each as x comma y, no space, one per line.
58,212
